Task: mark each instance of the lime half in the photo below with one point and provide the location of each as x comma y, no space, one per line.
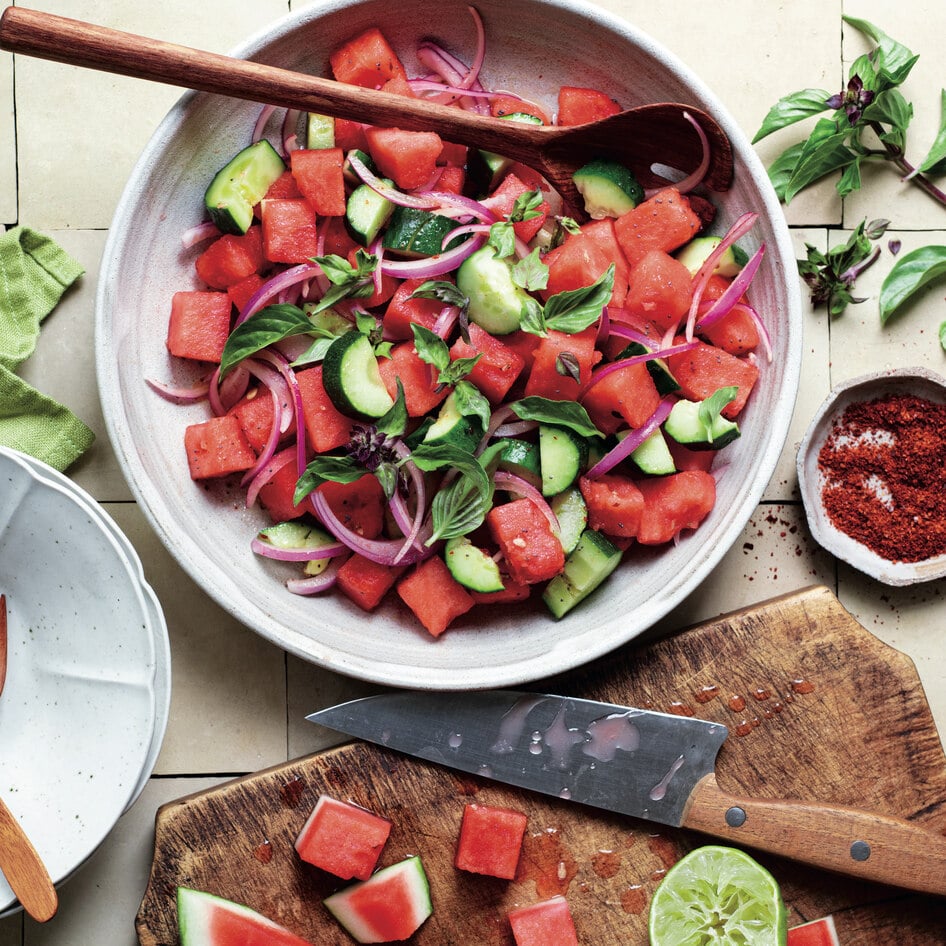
718,896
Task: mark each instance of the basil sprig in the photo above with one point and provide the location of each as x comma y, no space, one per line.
568,414
259,331
571,311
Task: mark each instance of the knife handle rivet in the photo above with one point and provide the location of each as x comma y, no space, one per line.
860,850
735,817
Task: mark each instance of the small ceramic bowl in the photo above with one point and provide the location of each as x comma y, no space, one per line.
916,381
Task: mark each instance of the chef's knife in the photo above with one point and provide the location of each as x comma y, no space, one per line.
654,766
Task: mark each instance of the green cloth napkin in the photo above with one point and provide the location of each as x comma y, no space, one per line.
34,273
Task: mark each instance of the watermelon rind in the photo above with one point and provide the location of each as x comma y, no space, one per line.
199,915
410,903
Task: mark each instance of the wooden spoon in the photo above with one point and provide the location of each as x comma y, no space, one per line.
19,861
639,137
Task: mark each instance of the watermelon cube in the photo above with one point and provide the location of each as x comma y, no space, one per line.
532,552
673,503
231,258
490,841
434,595
365,582
548,923
199,325
217,447
342,838
816,933
498,367
204,918
289,234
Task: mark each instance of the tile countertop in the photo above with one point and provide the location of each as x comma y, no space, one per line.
68,140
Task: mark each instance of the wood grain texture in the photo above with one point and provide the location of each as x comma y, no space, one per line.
818,708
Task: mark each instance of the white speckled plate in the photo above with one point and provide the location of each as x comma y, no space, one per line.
77,714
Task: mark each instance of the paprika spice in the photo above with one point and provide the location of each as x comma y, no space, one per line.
883,468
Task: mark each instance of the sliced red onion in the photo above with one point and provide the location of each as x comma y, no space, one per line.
290,138
285,369
315,584
457,205
742,226
266,112
734,292
515,429
273,287
632,441
180,394
691,180
413,532
224,394
266,473
388,192
453,91
432,266
199,234
382,551
516,485
446,320
613,366
282,410
453,71
377,250
472,77
268,550
621,330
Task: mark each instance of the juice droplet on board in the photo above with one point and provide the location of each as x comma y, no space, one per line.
707,693
679,708
744,728
547,863
801,685
664,848
291,792
634,900
737,703
606,863
263,852
761,694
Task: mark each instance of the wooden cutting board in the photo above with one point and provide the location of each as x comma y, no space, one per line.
817,708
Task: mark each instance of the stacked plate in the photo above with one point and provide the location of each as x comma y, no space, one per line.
87,695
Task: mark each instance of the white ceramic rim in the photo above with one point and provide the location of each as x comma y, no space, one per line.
374,668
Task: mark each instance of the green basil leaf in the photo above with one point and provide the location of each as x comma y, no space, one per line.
526,206
502,238
388,475
711,407
793,108
567,364
532,318
568,414
262,329
531,272
394,422
458,369
575,310
825,151
891,108
315,353
783,167
459,509
432,457
471,402
910,274
442,291
430,347
850,179
896,60
935,161
326,468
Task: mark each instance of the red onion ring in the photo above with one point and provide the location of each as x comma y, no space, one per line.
510,483
316,584
180,395
266,550
432,266
613,366
632,441
199,234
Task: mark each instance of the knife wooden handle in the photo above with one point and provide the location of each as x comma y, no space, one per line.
874,847
24,869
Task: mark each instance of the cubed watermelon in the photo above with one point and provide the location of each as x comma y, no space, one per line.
531,551
217,447
318,175
703,370
359,505
578,105
434,595
615,505
325,426
547,923
343,839
490,840
365,582
366,60
663,222
498,367
673,503
199,325
289,233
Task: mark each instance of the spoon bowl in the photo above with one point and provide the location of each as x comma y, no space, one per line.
639,138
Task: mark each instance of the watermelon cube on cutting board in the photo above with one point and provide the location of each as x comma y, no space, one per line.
388,907
342,838
816,933
490,841
547,923
207,920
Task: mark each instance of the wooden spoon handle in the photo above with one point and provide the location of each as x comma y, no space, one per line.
24,869
858,843
61,39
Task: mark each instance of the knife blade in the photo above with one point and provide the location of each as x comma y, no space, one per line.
650,765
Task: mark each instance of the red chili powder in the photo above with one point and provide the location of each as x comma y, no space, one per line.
884,475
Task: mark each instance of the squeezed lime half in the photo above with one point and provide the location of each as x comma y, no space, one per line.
718,896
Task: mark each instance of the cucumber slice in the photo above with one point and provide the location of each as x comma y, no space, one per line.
686,427
593,559
241,184
495,164
696,252
295,535
660,374
562,457
471,566
653,456
495,300
319,131
327,320
452,427
571,510
609,189
521,457
352,379
416,233
367,212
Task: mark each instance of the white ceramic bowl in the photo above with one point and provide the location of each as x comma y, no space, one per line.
919,382
533,47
